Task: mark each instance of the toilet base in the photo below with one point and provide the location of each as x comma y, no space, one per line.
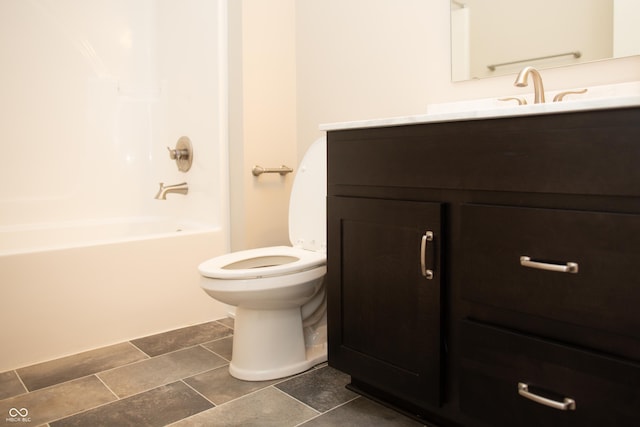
270,344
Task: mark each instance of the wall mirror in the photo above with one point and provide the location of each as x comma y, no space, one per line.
497,37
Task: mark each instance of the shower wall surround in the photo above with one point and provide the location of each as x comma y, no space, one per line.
93,92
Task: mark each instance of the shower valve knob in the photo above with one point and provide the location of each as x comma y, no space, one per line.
182,154
177,154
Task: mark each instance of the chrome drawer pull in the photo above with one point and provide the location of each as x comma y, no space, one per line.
567,405
426,237
570,267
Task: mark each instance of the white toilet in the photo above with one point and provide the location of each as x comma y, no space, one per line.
278,292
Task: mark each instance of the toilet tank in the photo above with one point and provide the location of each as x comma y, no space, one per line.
307,205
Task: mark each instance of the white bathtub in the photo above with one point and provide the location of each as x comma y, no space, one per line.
72,234
72,288
97,91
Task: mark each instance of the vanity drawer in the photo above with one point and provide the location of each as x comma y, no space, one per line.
497,363
590,153
602,293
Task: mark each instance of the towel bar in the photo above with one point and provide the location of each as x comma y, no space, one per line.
282,170
576,54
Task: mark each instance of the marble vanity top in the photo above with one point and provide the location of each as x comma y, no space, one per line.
491,108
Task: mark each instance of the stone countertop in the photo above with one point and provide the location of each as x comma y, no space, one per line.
491,108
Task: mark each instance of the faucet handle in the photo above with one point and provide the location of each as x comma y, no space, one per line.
560,96
182,154
521,101
176,154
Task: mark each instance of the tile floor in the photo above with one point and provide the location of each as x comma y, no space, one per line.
179,378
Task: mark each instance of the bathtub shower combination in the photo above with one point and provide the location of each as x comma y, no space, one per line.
96,92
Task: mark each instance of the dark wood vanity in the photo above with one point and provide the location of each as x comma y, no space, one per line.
487,272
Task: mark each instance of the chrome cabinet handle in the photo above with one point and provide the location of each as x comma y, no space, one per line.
567,404
426,237
570,267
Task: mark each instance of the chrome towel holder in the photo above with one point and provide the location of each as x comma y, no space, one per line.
282,170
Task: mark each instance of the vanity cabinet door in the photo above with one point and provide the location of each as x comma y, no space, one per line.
383,284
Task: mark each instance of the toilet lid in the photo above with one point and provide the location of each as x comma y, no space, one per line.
261,262
307,205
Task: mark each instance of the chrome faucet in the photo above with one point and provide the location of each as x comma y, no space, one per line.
538,88
181,188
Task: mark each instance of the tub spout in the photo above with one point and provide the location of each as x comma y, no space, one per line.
181,188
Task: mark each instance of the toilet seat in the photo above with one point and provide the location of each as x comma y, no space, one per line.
262,262
307,230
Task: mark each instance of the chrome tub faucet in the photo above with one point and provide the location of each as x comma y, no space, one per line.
181,188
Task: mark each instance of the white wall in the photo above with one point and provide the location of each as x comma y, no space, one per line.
346,60
361,59
263,114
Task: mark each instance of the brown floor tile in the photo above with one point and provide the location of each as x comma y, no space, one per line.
160,370
59,401
79,365
265,408
10,385
322,389
166,342
222,347
219,386
158,407
181,385
362,412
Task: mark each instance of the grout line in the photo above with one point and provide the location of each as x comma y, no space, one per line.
83,410
205,397
200,344
328,411
280,381
158,356
51,386
180,329
47,424
217,354
107,386
132,395
140,350
303,373
245,395
298,400
21,382
135,347
147,357
221,357
122,366
193,374
226,326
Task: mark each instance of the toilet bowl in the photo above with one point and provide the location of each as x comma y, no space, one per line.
278,292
